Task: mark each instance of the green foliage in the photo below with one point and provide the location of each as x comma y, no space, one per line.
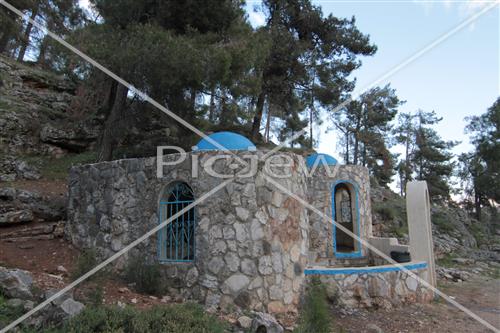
87,260
58,168
442,221
183,318
386,212
393,214
427,156
315,316
365,125
479,232
7,313
447,261
95,296
480,169
146,277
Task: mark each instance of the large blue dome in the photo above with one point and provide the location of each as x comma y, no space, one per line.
324,159
228,140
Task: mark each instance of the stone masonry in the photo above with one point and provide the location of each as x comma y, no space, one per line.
251,241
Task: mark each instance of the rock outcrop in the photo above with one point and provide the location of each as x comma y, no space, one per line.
17,206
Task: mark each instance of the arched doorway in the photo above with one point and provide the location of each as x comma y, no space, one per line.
345,213
176,242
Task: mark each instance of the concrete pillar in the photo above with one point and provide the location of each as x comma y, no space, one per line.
419,227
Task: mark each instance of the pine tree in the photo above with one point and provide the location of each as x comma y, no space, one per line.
432,159
176,52
365,125
480,169
308,63
404,133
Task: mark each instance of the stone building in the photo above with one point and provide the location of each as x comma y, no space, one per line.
247,244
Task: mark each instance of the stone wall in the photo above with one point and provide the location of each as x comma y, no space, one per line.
251,241
320,196
376,289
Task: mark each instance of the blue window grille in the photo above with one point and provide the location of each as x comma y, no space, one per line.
176,242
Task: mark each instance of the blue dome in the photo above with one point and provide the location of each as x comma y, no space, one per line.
228,140
324,159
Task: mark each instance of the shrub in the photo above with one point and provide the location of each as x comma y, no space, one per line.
7,313
387,213
442,222
315,316
447,260
95,296
479,233
146,277
175,318
85,262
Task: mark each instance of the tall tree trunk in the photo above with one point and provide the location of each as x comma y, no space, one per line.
211,110
41,53
25,42
346,147
268,125
364,155
477,203
257,119
311,122
356,141
109,137
356,149
407,164
224,111
191,116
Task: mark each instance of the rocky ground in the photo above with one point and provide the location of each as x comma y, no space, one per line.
480,295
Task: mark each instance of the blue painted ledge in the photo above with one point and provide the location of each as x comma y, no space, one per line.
364,270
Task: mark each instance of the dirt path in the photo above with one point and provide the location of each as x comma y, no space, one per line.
481,295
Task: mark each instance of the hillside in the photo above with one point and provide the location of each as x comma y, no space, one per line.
45,132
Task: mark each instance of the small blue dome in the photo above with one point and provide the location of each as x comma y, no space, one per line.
228,140
324,159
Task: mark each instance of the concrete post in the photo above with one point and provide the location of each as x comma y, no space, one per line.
419,227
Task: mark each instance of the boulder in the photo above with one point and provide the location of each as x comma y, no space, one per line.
16,283
71,307
265,323
73,139
245,322
12,168
14,217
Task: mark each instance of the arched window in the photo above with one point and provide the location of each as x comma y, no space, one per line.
176,241
346,214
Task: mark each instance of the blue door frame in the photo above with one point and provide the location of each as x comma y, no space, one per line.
357,253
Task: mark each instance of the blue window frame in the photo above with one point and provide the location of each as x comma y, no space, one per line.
352,214
176,242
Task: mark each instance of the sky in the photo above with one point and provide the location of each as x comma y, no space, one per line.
459,77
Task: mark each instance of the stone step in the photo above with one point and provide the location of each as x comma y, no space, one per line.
345,262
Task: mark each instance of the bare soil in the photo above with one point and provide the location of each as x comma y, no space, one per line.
43,258
481,295
45,187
